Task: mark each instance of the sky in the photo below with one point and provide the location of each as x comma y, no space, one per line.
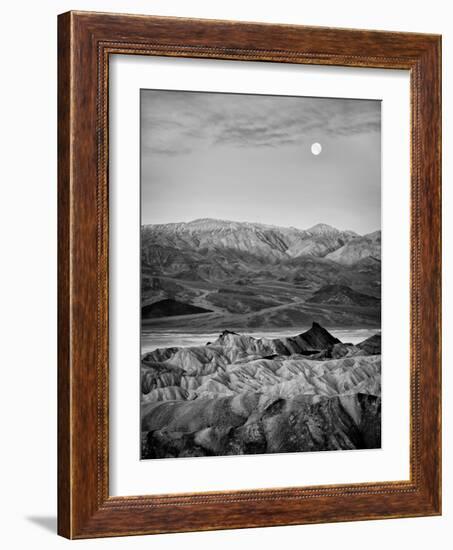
247,157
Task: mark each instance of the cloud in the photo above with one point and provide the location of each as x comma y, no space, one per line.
175,123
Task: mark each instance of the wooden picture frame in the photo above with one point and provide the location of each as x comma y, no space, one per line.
85,42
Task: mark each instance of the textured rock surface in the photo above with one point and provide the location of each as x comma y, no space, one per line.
265,240
368,246
342,295
243,395
371,345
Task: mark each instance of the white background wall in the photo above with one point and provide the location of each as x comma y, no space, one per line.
28,125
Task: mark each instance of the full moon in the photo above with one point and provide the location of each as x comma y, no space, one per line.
316,148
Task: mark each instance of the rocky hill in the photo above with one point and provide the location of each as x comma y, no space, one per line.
245,395
368,246
342,295
169,307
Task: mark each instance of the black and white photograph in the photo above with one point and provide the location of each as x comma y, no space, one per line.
260,274
230,223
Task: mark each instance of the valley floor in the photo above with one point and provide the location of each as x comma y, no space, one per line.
265,303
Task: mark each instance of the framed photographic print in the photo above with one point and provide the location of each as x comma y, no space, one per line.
249,275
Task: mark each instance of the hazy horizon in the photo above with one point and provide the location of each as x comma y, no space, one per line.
247,158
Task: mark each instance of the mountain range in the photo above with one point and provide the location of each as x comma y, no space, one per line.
249,274
263,241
